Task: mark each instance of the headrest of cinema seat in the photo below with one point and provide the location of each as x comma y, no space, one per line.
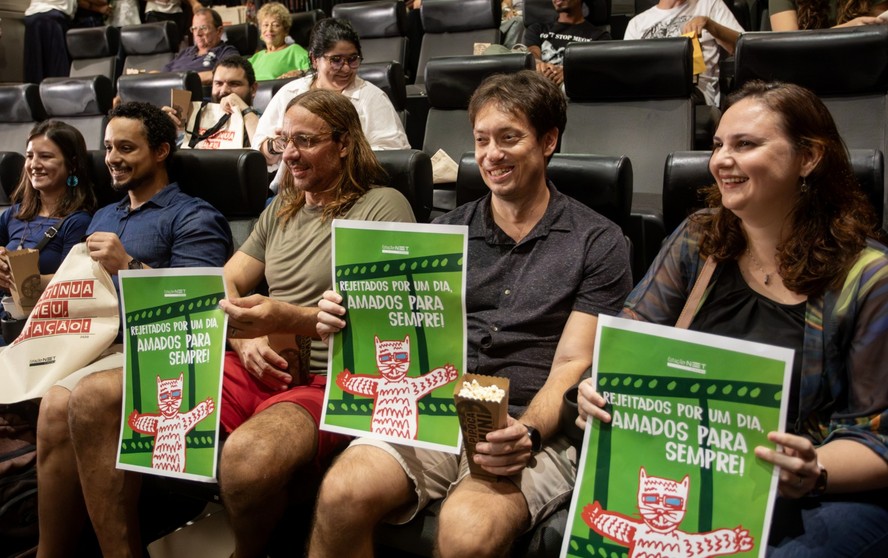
629,70
451,80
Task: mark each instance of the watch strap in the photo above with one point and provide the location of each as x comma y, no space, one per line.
536,440
821,484
269,146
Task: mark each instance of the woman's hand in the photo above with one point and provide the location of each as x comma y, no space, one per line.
797,460
862,20
590,403
330,318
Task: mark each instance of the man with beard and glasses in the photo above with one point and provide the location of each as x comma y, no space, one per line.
154,226
234,86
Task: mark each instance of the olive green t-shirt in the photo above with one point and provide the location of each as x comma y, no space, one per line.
297,256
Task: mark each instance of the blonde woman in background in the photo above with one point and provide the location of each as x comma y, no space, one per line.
278,60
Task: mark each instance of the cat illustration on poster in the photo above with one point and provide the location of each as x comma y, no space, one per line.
169,427
662,504
395,395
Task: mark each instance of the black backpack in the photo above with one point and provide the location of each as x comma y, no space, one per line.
18,477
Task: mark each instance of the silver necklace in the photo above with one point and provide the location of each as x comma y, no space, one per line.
767,280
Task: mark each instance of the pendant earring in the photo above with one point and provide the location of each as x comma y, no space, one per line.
804,186
72,181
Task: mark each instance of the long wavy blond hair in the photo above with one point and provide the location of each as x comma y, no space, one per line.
360,168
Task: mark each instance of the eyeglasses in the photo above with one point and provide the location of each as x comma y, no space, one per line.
337,60
301,141
201,29
273,25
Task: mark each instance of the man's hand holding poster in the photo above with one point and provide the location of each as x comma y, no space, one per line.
174,344
392,370
674,474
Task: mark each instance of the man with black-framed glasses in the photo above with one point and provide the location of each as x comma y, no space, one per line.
208,48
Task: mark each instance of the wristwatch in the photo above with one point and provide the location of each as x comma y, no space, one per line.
820,486
249,110
536,441
269,146
134,264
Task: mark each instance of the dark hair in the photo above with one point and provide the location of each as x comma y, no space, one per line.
159,129
217,19
326,33
237,61
524,93
360,168
814,14
829,223
73,147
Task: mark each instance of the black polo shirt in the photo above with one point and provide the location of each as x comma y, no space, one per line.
519,296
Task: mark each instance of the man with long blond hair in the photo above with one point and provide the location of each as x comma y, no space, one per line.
273,424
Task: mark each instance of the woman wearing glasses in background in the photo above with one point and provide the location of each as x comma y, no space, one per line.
335,53
278,59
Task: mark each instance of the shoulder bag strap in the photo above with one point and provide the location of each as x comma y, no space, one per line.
687,313
50,233
197,137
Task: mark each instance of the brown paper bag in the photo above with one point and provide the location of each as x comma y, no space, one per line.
26,276
180,101
477,418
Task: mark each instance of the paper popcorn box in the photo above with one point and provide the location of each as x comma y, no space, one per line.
296,350
477,417
26,276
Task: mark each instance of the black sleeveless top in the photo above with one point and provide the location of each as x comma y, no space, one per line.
734,309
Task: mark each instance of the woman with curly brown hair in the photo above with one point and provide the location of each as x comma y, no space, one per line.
793,15
796,265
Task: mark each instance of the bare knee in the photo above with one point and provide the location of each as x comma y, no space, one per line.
468,528
52,422
267,450
96,400
364,484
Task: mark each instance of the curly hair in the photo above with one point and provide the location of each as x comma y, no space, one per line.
829,224
276,12
158,127
814,14
360,168
73,148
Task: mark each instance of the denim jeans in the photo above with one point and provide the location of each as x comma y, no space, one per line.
849,525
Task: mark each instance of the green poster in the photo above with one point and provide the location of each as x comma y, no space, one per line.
674,473
174,344
392,371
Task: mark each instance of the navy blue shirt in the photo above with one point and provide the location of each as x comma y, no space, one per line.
172,229
15,234
189,60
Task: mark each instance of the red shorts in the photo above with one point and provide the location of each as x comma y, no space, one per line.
243,396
